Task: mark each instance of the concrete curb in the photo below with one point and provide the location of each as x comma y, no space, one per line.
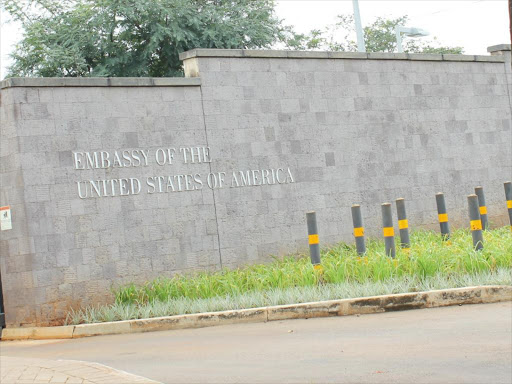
344,307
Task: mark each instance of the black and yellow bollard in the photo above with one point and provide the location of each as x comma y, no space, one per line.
442,214
357,220
403,224
479,191
475,222
508,197
314,243
388,230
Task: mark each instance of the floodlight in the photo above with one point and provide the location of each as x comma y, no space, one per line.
407,31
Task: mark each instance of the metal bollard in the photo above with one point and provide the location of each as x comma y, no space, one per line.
443,216
475,222
403,224
508,197
314,243
357,220
388,230
479,191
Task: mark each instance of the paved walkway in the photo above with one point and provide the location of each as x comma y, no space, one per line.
19,370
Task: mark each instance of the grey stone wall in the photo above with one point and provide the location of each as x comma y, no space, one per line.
355,128
351,128
64,251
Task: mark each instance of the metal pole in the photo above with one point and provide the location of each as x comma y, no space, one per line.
2,312
359,28
510,17
357,220
508,197
475,222
443,216
388,230
314,243
403,224
479,191
398,40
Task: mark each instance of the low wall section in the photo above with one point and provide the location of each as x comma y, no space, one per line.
117,180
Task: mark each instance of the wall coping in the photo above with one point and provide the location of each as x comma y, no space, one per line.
100,82
499,47
282,54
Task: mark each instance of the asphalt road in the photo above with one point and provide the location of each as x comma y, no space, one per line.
466,344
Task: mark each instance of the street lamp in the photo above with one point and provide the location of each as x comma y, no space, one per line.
411,32
359,27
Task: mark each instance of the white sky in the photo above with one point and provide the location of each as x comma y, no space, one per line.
472,24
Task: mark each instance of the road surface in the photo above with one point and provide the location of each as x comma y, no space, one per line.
461,344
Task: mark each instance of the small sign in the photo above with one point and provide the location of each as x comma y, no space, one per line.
5,218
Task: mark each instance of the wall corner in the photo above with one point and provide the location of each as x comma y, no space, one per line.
191,67
501,50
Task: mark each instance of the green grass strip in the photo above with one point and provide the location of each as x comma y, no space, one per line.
428,256
430,264
120,311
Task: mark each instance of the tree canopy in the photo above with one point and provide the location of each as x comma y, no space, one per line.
379,37
132,37
145,37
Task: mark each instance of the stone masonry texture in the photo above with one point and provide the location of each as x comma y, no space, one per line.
351,128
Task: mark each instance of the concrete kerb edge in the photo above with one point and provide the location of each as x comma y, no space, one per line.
343,307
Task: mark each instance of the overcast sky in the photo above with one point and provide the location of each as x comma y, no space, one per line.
472,24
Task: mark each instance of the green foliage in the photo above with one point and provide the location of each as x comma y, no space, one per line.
428,257
293,295
379,37
132,37
430,264
441,49
302,42
144,38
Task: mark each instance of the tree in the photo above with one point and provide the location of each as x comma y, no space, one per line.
132,37
379,37
145,37
302,42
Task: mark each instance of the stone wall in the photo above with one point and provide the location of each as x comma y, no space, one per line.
67,251
354,128
287,132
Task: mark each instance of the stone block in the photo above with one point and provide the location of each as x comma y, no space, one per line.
64,332
451,57
265,53
307,55
113,328
489,59
425,57
348,55
387,56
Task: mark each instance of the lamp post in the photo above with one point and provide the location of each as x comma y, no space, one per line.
359,28
411,32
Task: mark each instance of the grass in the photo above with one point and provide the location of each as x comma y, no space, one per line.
120,311
430,264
